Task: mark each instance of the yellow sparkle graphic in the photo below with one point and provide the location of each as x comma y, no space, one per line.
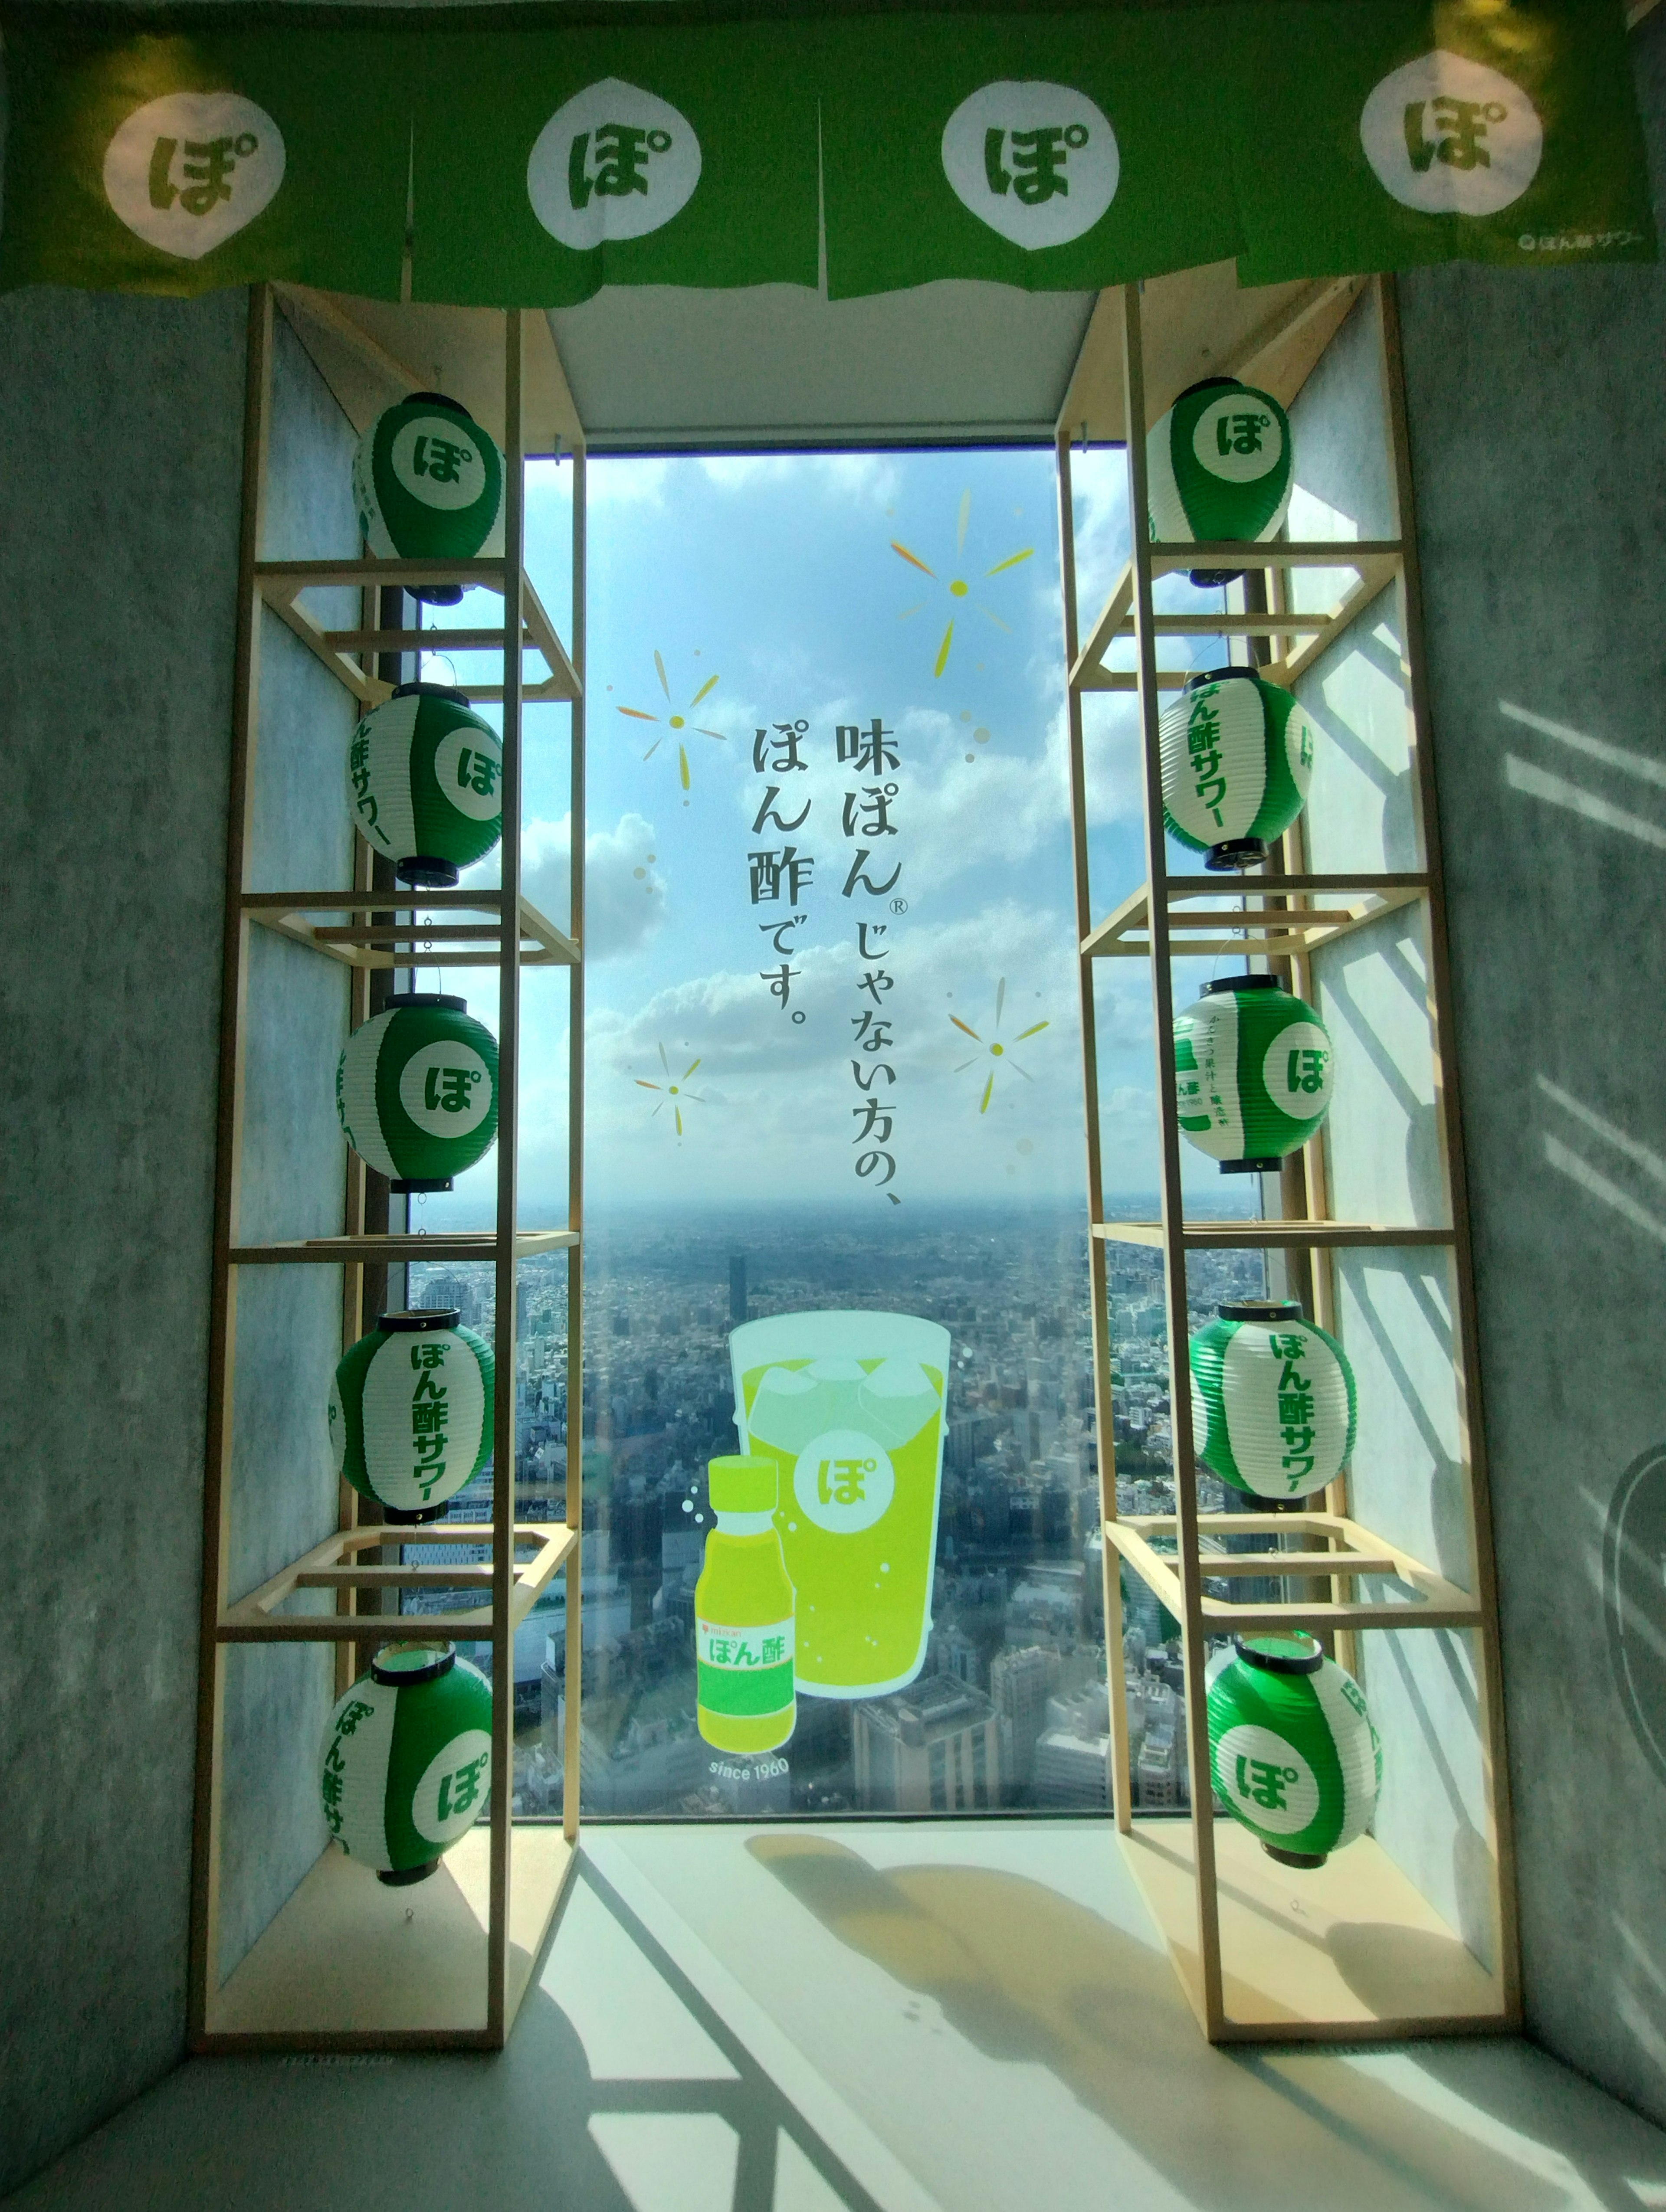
956,587
675,721
675,1095
993,1048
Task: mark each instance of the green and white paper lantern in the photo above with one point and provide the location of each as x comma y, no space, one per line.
410,1412
427,482
417,1090
1254,1073
1292,1746
1238,759
407,1760
425,781
1217,468
1273,1400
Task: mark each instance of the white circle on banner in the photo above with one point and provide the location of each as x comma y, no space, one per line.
614,161
1448,135
844,1481
1266,1778
468,766
1038,162
452,1794
1237,438
1299,1071
436,459
446,1088
191,170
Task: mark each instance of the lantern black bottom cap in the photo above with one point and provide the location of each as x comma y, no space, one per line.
1309,1859
398,1517
1207,579
436,595
1231,854
403,1877
443,1182
1227,1167
438,875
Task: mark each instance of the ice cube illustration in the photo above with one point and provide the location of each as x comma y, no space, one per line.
789,1407
895,1401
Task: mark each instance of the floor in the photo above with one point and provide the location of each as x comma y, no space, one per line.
923,2017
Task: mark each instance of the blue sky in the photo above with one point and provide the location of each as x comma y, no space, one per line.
770,591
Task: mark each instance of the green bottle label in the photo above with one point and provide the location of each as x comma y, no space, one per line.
744,1671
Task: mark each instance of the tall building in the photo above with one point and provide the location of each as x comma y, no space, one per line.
737,1287
1020,1684
933,1748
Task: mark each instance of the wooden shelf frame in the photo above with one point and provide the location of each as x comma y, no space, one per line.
386,941
281,583
293,1992
1285,914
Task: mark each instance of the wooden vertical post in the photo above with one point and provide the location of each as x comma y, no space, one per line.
203,1969
1173,1207
1121,1778
573,1668
508,1084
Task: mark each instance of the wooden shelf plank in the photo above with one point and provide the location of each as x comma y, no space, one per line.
377,944
349,1964
396,1249
330,1565
1350,1948
1304,553
1271,1236
1435,1602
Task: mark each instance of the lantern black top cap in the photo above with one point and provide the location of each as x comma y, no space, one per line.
1213,384
432,692
442,399
1244,983
402,1665
1293,1653
419,1317
1250,1310
1198,678
428,999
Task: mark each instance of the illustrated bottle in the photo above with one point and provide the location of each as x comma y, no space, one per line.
743,1615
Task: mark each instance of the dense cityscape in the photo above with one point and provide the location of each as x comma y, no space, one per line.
1010,1708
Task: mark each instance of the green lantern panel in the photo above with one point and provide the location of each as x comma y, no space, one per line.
1219,464
1292,1746
425,781
427,482
417,1090
1273,1400
410,1412
407,1760
1238,760
1254,1073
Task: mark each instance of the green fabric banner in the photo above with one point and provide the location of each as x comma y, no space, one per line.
1385,135
1047,150
548,164
176,164
1054,152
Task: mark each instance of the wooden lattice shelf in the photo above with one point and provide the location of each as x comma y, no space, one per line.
396,1247
1275,915
1251,1235
334,1564
395,942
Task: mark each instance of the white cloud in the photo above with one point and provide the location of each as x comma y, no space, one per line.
625,891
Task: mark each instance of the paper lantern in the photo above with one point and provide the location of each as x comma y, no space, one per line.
410,1412
1238,758
1254,1073
1273,1400
425,782
427,482
1217,467
407,1760
1292,1746
417,1090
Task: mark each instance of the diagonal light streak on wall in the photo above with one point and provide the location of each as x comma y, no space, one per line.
1588,1179
1630,763
1522,775
1649,1162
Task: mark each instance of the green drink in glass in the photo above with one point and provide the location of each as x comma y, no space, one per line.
849,1408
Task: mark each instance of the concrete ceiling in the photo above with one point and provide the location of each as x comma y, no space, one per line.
652,366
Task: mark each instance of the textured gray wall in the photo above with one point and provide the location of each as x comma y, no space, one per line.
1541,473
118,571
118,568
